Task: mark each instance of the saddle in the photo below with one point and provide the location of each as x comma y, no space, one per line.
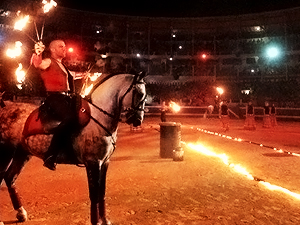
36,125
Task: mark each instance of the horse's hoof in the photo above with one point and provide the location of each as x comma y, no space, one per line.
21,215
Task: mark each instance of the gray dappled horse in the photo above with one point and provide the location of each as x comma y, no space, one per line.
118,98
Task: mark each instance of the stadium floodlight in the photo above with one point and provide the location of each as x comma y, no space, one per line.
273,52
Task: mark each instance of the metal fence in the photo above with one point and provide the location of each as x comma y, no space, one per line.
235,111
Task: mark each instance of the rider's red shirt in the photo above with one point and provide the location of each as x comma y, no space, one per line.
54,78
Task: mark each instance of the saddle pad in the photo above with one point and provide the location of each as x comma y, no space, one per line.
34,125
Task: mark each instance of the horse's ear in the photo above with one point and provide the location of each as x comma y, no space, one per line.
141,75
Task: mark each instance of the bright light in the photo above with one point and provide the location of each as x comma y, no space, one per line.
86,90
258,28
278,188
71,50
241,170
246,92
203,56
220,90
138,55
13,53
95,76
272,52
20,24
20,73
48,5
174,107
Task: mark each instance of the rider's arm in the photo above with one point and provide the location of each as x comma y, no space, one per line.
36,58
40,63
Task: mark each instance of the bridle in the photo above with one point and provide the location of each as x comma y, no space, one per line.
132,110
135,107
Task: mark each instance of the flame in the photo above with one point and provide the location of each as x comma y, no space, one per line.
278,188
204,150
48,5
174,107
86,90
95,76
13,53
20,24
20,73
239,169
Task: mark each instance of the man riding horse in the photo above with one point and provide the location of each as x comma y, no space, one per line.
61,103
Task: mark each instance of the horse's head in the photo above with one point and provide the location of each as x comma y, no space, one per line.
133,101
119,97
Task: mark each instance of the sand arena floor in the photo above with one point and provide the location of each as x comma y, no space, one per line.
143,188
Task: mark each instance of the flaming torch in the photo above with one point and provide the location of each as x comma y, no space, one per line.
46,8
87,89
174,107
95,76
20,24
20,74
13,53
48,5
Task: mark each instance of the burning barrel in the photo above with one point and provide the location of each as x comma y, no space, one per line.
170,138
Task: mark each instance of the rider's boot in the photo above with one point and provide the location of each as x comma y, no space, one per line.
51,155
50,162
61,142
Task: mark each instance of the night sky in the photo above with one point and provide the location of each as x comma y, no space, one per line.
166,8
179,8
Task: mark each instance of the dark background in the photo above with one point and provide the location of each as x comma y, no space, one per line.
166,8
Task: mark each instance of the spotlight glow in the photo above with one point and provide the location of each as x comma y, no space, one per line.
272,52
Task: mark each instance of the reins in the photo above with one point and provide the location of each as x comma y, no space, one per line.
89,100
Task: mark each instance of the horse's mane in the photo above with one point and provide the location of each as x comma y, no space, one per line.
101,80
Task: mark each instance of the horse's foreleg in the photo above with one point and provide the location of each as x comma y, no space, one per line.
19,160
102,207
6,156
96,173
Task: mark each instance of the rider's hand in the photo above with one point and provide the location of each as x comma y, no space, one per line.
39,47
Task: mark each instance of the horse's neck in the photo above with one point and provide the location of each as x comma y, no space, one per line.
106,97
111,88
